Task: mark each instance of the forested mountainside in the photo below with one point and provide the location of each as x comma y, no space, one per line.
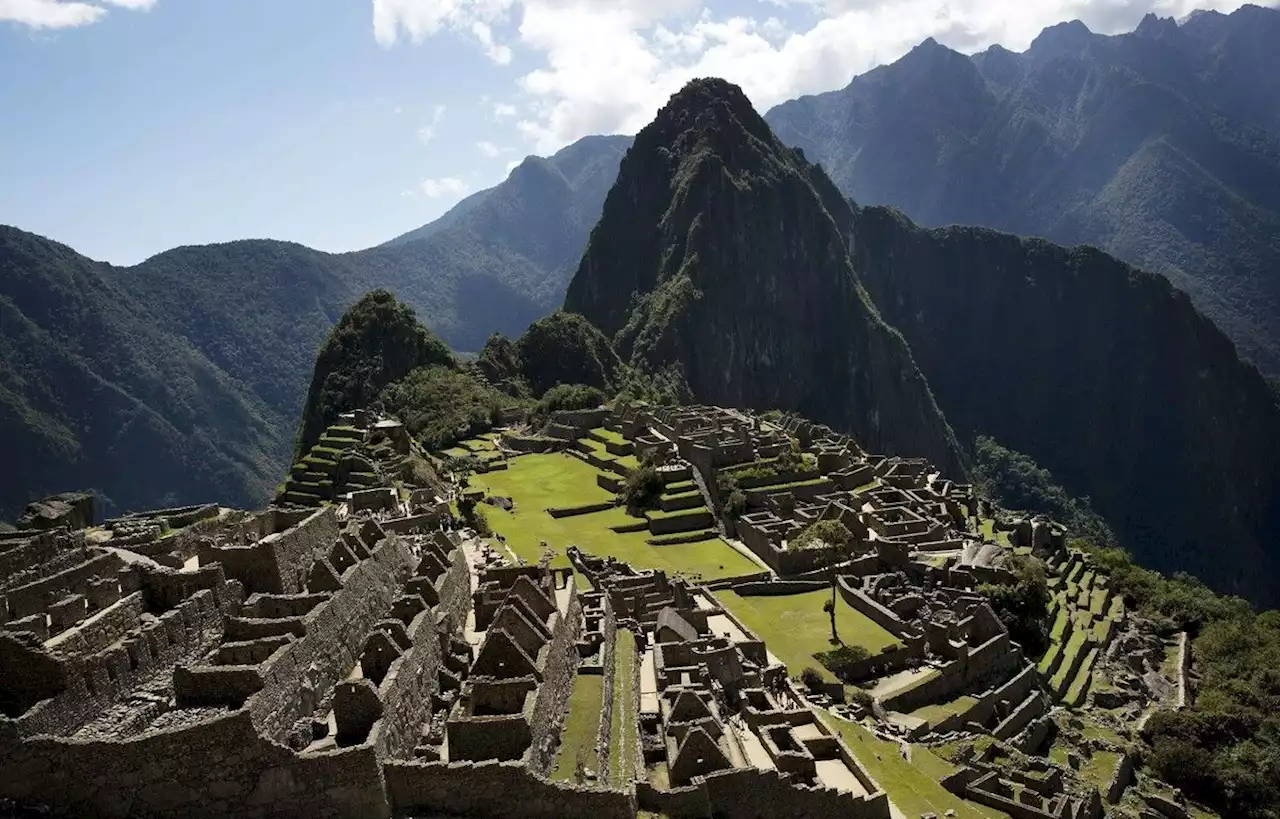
1104,374
96,394
744,282
1161,146
237,325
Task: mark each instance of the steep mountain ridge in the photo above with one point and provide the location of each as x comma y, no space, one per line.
1161,146
1104,373
717,253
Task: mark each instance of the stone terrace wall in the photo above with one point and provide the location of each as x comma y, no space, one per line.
497,790
209,770
770,795
335,636
557,685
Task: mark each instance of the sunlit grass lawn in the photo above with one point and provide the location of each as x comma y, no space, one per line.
795,627
539,482
580,728
914,787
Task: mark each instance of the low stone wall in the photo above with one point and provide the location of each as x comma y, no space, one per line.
608,483
1121,777
209,770
779,587
1030,708
681,523
571,511
604,730
690,802
770,795
875,612
497,790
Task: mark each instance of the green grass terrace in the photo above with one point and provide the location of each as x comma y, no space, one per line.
538,482
795,628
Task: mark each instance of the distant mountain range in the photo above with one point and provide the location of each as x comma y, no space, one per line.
1161,146
182,378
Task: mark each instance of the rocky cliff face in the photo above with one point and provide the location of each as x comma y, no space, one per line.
718,253
1106,375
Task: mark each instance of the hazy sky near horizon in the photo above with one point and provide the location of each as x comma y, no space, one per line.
133,126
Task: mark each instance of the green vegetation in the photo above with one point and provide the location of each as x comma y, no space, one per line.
1015,481
565,348
795,626
440,405
1223,750
823,533
578,746
375,343
569,397
913,786
1024,604
664,269
642,489
840,661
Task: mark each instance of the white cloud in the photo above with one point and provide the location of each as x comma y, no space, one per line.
606,66
446,186
513,164
428,132
488,148
41,14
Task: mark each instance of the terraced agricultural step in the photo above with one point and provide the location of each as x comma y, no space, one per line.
688,500
669,524
684,537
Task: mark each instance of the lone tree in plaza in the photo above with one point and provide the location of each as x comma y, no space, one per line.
832,537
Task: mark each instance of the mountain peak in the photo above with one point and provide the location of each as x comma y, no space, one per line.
1154,26
720,260
1063,38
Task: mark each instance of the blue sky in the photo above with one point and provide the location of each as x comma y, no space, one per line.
132,126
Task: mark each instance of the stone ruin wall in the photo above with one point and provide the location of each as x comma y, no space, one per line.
609,671
490,790
91,682
557,684
211,770
724,795
411,680
334,639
